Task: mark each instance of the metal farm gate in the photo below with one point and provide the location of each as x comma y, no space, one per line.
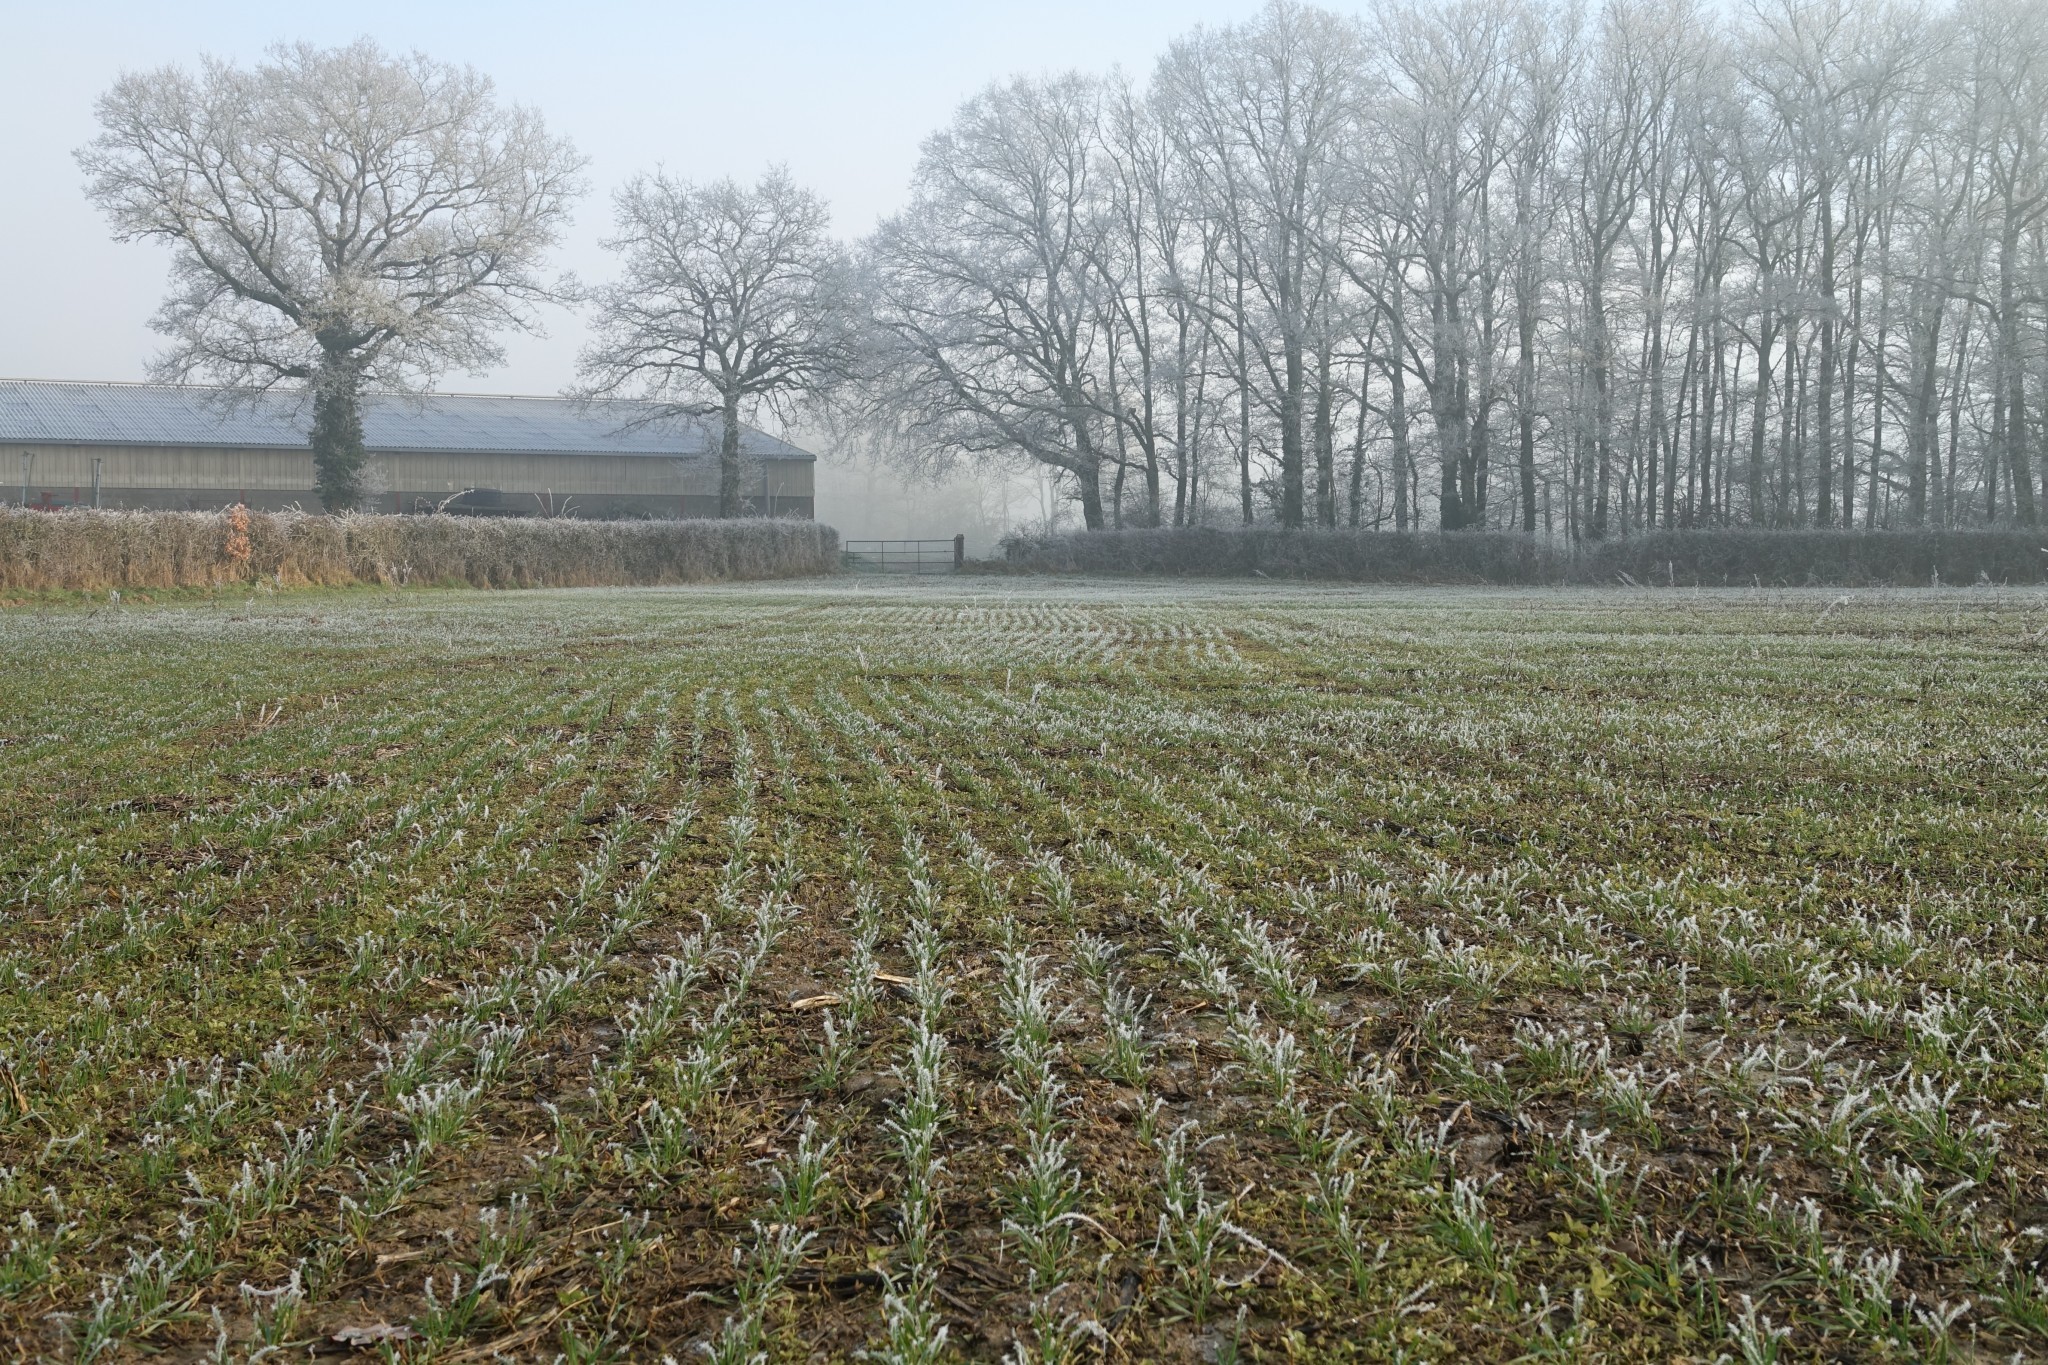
905,556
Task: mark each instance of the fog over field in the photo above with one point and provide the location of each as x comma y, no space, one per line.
1513,265
843,94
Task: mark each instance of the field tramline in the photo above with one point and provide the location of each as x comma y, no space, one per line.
984,972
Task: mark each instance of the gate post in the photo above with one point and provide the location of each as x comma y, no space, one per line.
959,552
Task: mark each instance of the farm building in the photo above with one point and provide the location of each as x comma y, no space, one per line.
65,444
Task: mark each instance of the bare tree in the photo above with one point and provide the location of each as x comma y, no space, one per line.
1721,267
1261,112
732,298
2008,43
338,219
1139,253
1443,129
987,330
1544,56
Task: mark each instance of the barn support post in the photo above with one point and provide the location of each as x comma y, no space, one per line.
96,481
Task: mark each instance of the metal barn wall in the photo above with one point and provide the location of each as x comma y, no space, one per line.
198,477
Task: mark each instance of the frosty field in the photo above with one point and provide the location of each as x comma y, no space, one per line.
1049,971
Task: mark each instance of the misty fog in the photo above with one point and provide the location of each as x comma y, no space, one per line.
1504,265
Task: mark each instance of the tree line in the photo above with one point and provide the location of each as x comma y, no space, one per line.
1516,264
1500,264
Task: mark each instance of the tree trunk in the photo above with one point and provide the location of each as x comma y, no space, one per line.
1450,514
1291,498
729,458
1191,457
1089,476
1687,403
1476,467
1325,444
1123,448
1848,422
1603,405
1357,499
1655,479
1730,385
1705,408
1824,425
2012,369
1525,413
2019,461
1757,425
1995,447
1824,431
1879,385
1952,517
1923,417
1152,512
1244,412
1397,425
1853,333
1718,429
1639,469
1448,387
337,436
1789,398
1180,419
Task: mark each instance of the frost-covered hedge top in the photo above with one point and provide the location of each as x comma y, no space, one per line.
1710,558
99,549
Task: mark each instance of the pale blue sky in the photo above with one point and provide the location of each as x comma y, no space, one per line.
843,93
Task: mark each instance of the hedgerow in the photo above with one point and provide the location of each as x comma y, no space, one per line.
103,549
1706,558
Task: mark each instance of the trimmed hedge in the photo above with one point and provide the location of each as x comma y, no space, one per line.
99,550
1712,558
1363,556
1835,558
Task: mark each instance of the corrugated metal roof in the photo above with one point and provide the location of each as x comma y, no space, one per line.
54,412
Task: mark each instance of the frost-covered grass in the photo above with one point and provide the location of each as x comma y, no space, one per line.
983,969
